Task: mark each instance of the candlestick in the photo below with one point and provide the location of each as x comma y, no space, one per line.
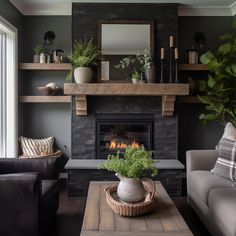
171,41
162,53
170,80
176,70
161,81
176,54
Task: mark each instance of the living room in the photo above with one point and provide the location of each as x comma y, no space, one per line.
156,98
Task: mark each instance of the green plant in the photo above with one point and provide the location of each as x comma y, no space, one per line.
85,54
38,49
136,75
139,62
220,88
135,163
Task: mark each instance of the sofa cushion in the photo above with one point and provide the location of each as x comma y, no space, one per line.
50,189
201,182
222,203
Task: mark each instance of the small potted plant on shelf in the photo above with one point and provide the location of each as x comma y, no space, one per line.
130,167
85,55
38,49
136,77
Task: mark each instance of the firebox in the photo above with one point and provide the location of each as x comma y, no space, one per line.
116,132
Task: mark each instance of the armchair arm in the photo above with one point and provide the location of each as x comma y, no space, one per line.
19,200
48,167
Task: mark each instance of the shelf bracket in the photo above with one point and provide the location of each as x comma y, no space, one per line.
81,105
168,105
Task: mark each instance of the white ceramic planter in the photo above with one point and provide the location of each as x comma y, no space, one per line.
82,75
36,58
130,189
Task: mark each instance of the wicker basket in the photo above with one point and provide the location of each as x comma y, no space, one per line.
131,209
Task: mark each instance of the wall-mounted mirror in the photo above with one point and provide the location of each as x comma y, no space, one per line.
121,38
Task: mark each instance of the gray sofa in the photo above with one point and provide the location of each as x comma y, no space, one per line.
212,198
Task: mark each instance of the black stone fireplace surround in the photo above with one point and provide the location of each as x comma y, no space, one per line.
165,129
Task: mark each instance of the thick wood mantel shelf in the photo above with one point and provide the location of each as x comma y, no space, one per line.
168,92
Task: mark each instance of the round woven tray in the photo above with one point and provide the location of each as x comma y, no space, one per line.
131,209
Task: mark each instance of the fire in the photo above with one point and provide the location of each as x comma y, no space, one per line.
120,145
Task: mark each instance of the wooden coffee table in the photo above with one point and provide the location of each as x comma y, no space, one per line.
99,219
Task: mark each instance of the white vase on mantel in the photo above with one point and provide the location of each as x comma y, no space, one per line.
83,75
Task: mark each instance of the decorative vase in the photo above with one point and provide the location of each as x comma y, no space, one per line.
135,81
36,58
150,74
82,75
42,58
130,189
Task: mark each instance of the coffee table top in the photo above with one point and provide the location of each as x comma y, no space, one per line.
99,219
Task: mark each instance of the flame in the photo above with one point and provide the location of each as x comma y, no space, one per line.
120,145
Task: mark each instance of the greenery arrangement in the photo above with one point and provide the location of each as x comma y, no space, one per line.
85,54
220,88
136,75
135,163
38,49
139,62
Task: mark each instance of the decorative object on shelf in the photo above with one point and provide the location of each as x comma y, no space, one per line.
191,56
220,88
176,64
57,55
48,38
137,77
162,61
48,58
42,58
132,209
130,167
49,89
171,49
140,63
37,51
84,56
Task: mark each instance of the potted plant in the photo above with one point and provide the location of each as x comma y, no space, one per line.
85,55
220,88
130,167
38,49
136,77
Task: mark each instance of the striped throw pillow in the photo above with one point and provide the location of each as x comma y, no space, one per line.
225,166
36,147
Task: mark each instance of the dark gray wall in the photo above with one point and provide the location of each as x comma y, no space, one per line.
192,133
43,120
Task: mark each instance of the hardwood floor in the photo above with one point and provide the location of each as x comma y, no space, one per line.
70,216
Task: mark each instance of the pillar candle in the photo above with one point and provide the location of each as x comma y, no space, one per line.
176,53
162,53
171,41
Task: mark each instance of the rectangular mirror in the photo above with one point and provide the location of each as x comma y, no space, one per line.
122,38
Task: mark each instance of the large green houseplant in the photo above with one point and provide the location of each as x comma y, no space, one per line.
220,88
84,55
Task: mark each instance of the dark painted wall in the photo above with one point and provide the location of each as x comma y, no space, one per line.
43,120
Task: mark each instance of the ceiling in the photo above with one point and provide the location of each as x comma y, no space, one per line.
186,8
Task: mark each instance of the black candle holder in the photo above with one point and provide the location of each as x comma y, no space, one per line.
170,80
162,62
176,70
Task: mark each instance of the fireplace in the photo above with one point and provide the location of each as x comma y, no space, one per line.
116,132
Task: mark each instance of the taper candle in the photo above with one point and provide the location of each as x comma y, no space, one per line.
162,53
176,54
171,41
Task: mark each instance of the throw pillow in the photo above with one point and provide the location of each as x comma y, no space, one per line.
225,166
36,147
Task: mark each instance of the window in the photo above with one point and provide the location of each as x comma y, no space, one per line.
8,90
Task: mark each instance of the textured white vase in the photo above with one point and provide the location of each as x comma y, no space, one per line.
82,75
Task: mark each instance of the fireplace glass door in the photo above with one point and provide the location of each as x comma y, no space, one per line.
116,132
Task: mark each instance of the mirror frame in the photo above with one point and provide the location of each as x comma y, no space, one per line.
129,22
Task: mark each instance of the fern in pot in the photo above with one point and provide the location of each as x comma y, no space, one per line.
84,56
130,168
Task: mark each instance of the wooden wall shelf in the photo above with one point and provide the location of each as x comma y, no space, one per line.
45,66
45,99
188,99
168,92
193,67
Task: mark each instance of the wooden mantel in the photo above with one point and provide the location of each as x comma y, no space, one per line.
168,92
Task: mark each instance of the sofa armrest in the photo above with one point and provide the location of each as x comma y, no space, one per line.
48,167
19,202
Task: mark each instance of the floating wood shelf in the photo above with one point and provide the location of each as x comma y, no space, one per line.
45,66
188,99
193,67
168,92
45,99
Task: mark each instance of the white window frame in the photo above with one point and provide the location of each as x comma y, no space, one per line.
9,100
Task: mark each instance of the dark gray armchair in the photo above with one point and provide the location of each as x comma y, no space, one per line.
29,195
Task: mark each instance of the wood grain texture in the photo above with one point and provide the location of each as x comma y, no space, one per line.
81,105
117,89
193,67
45,99
99,219
188,99
168,105
44,66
